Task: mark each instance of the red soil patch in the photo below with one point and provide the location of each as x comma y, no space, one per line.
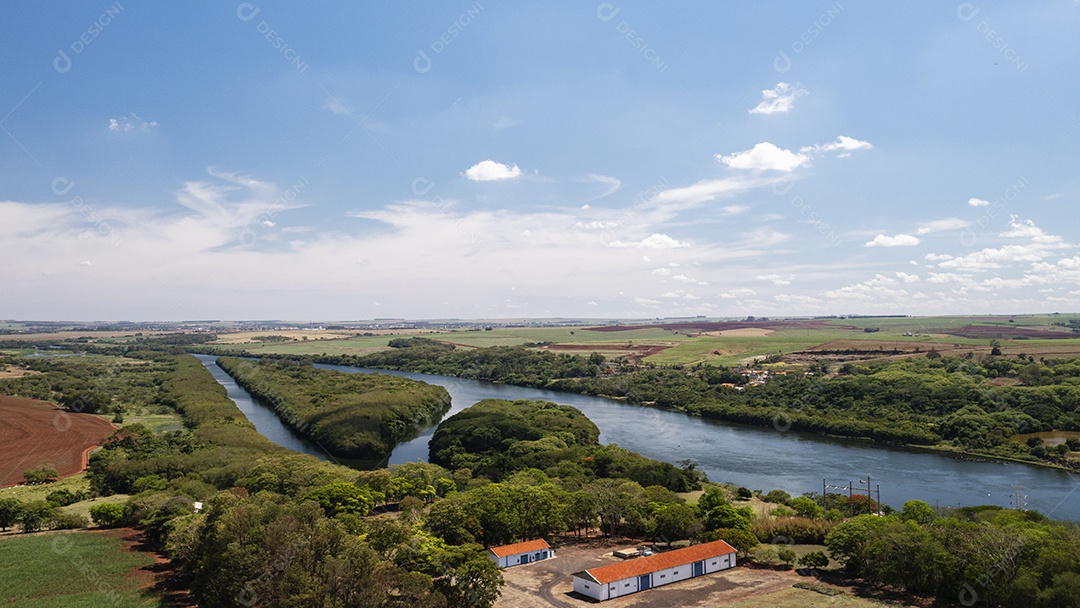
37,433
1002,332
161,578
586,347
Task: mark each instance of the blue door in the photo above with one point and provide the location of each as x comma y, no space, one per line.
644,582
699,568
524,559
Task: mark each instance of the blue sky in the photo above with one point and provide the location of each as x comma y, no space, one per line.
616,159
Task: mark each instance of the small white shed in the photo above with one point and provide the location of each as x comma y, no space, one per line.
521,553
616,580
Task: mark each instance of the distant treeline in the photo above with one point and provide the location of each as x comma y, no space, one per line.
350,415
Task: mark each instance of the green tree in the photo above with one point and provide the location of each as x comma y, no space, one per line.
35,515
917,511
814,559
676,522
107,515
729,517
10,510
466,576
447,520
805,506
342,497
41,475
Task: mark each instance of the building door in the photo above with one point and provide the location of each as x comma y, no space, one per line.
644,582
699,568
524,559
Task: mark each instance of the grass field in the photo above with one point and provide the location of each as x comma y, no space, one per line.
75,483
73,570
727,347
802,598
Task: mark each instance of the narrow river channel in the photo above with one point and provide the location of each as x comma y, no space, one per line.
753,457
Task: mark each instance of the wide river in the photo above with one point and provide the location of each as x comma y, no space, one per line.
757,458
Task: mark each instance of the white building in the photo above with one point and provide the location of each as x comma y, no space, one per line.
521,553
619,579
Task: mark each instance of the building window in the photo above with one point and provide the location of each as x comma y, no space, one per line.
586,585
662,575
676,572
626,585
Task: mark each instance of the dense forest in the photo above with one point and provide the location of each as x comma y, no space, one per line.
496,438
349,415
974,405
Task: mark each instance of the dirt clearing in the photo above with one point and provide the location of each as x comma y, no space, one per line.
549,583
37,433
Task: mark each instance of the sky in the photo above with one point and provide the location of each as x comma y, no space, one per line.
261,160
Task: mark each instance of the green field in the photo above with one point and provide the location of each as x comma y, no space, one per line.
75,483
72,570
689,347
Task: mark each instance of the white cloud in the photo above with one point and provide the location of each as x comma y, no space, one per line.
596,225
776,279
734,209
900,240
655,241
778,99
684,197
765,156
662,272
611,184
842,143
131,122
907,278
942,225
489,170
990,258
1027,229
740,292
682,278
338,107
978,202
937,257
796,299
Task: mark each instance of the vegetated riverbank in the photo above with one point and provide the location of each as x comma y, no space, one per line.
360,416
935,403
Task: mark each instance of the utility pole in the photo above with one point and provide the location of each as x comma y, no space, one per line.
1019,500
849,502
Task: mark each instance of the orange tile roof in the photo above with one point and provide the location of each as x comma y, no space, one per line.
660,561
522,547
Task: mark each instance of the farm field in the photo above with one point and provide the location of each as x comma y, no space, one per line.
37,433
726,343
73,570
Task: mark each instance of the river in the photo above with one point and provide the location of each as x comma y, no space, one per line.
757,458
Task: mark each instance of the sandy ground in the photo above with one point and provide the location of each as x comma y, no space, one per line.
549,583
17,372
37,433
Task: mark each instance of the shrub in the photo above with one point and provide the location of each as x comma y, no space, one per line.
67,521
65,497
108,515
815,559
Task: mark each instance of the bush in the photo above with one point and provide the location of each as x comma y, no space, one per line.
67,521
108,515
41,475
65,497
36,515
800,530
815,559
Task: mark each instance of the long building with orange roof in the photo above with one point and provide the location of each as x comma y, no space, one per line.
634,575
